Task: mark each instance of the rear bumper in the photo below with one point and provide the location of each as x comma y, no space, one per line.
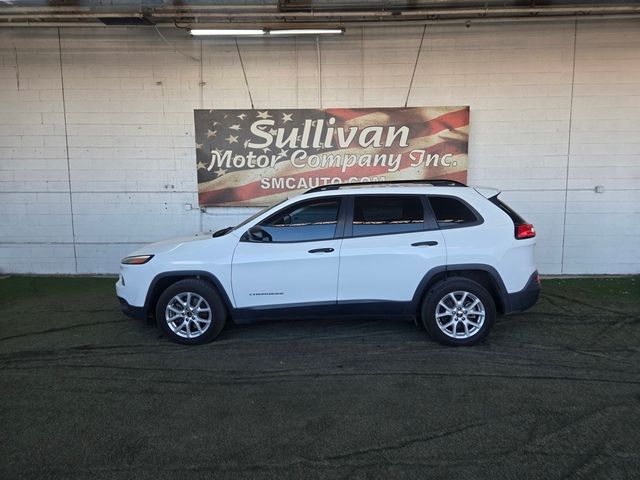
139,313
525,298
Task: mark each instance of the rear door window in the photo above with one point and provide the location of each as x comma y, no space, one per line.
387,214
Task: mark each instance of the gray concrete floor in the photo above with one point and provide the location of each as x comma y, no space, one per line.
87,393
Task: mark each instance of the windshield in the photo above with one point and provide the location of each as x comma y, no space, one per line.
257,214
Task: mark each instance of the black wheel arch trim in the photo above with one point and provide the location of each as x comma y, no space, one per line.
183,275
450,270
505,301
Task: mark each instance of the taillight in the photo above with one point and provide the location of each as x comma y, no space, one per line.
525,230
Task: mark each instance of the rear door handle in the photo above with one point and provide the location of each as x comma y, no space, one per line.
431,243
321,250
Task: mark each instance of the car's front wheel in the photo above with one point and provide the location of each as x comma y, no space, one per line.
458,312
190,312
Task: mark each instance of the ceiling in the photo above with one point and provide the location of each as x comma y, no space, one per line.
300,13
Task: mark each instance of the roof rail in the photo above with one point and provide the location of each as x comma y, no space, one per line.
436,182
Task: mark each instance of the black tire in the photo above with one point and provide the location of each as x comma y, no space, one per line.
457,325
187,323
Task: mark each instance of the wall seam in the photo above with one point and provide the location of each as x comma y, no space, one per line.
66,144
202,84
196,198
319,72
15,51
295,43
566,185
362,70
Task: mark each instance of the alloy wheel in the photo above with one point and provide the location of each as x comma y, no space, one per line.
460,314
188,315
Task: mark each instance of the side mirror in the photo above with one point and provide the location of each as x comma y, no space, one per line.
258,234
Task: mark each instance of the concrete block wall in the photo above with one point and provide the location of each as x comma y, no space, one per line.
97,153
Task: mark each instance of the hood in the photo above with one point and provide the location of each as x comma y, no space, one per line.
165,246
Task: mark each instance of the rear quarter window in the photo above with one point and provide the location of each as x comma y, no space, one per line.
452,212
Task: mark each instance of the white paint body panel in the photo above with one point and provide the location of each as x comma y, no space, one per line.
491,243
387,267
284,273
202,253
376,268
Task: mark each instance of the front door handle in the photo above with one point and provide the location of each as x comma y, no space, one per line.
321,250
431,243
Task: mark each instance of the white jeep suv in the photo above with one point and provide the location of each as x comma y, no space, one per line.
447,255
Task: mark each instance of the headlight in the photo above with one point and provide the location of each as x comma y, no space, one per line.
136,259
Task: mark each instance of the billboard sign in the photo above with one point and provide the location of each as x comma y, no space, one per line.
257,157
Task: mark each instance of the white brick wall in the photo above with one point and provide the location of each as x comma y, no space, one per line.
545,114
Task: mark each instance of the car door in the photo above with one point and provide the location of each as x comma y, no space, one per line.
291,257
391,242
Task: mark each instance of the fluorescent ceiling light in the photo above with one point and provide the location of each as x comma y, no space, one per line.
227,32
232,32
306,31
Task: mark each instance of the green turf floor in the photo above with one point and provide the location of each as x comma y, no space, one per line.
87,393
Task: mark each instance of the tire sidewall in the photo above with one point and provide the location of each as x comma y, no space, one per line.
438,292
207,292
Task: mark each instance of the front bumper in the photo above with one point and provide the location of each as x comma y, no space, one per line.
129,294
525,298
139,313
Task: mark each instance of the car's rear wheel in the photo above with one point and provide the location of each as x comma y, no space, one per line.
190,312
458,312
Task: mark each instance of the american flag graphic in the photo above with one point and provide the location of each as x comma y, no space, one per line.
257,157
